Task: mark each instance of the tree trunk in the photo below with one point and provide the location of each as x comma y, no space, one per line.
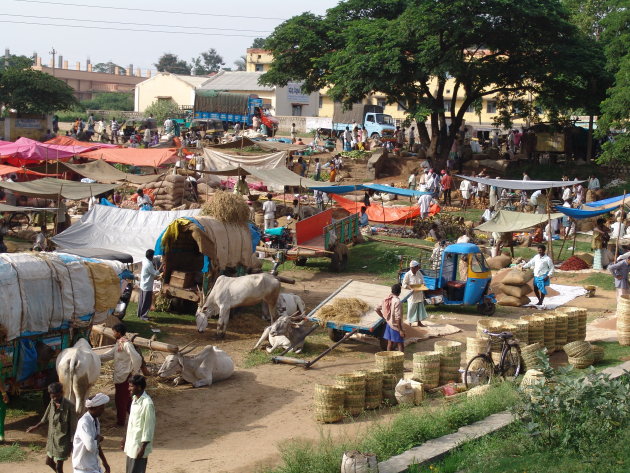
589,140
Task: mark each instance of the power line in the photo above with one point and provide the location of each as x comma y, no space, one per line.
134,23
145,10
125,29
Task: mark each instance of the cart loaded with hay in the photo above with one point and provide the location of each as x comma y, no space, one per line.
196,251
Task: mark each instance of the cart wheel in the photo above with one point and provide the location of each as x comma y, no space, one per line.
486,308
300,262
335,335
19,221
339,259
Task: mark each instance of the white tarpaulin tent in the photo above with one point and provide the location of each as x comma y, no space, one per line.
520,185
217,161
112,228
506,221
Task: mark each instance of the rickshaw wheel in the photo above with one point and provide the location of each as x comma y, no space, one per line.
486,308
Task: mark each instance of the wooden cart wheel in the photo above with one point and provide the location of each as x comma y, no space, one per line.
339,259
335,335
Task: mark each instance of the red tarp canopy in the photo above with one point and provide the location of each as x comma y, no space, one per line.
69,141
5,170
153,157
25,149
379,214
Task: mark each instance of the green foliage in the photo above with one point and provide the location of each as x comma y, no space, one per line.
29,91
241,63
400,47
602,281
208,62
11,453
258,43
575,413
171,63
162,109
16,62
109,101
108,67
356,154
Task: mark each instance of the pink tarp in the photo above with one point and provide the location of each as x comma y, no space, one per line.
152,157
25,149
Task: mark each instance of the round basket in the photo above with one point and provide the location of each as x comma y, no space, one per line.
373,388
531,378
561,330
448,347
389,385
529,357
582,361
354,386
521,332
475,346
550,332
329,403
478,390
535,329
426,368
598,353
391,362
495,325
450,360
623,320
578,349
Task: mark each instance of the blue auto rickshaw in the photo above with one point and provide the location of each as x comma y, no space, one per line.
463,278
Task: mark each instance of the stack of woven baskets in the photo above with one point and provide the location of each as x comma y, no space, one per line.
535,329
426,368
475,346
580,354
549,336
450,360
392,365
623,320
529,356
576,322
373,388
561,330
353,385
329,401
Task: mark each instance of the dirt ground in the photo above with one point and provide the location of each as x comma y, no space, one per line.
240,424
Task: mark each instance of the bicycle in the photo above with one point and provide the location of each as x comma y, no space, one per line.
482,368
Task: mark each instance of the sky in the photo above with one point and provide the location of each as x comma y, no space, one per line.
139,32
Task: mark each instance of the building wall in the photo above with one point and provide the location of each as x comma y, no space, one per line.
163,86
258,60
286,100
27,126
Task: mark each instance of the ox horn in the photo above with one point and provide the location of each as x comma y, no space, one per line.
186,352
185,346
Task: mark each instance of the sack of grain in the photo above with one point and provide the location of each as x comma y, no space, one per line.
499,262
510,301
516,277
174,178
515,291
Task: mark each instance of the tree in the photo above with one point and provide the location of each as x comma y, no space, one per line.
162,109
411,49
16,62
171,63
259,43
241,63
108,67
34,92
210,61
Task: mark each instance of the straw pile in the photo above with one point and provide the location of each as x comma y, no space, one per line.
329,401
478,390
475,346
353,385
528,354
561,330
343,309
389,388
426,368
227,208
598,353
391,362
450,359
535,329
623,320
373,388
550,332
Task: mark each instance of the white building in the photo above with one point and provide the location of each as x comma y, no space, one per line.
166,86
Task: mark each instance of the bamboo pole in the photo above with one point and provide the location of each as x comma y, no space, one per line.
550,234
574,234
623,208
140,341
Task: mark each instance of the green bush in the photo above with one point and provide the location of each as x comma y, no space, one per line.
162,109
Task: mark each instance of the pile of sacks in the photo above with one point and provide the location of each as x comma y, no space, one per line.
499,262
172,192
515,287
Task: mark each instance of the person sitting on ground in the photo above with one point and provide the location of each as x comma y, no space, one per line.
40,240
391,310
241,186
363,217
143,201
543,270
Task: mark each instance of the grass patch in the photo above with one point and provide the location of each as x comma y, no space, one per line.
11,453
26,404
469,214
602,281
315,344
410,428
613,354
135,325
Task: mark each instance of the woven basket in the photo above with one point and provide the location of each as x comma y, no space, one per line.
450,360
623,320
550,332
582,316
535,329
373,388
354,386
528,356
329,403
495,325
572,322
426,368
391,362
531,378
475,346
521,333
578,349
561,330
598,353
389,386
582,361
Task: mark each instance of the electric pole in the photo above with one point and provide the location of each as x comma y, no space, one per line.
53,52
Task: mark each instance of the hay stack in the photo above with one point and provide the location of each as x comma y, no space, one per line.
623,320
536,329
353,385
450,360
561,330
329,401
426,368
391,362
528,355
373,388
227,208
550,332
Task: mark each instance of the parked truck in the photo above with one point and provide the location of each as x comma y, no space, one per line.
232,108
369,117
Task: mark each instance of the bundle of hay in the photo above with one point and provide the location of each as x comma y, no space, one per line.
515,287
227,208
169,192
343,309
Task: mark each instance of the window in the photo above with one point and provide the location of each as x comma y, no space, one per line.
478,263
491,106
470,109
447,105
402,107
321,101
381,102
370,118
296,110
259,68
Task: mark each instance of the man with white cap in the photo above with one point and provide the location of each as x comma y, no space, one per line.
416,312
86,447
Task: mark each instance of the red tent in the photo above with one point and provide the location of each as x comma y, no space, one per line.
69,141
380,214
25,149
152,157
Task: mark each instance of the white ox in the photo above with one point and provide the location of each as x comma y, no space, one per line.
78,368
289,304
287,331
210,365
228,293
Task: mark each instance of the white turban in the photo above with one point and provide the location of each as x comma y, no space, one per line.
413,264
99,399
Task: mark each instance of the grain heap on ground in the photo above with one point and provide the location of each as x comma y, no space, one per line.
227,208
343,309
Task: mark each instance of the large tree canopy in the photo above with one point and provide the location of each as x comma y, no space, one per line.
28,91
409,49
171,63
209,61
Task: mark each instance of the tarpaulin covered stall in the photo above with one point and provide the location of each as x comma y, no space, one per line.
25,149
506,221
51,188
381,214
7,170
217,161
150,157
100,171
519,185
594,209
344,189
69,141
113,228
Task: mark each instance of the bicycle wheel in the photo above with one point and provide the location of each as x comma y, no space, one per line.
479,370
18,221
511,362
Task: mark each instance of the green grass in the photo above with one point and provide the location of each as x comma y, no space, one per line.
316,343
602,281
163,319
470,214
614,354
11,453
411,427
26,404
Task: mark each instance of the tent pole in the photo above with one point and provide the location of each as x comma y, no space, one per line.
623,207
564,240
550,235
574,222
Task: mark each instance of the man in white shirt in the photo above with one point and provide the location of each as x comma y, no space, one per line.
526,176
593,183
566,193
86,446
543,270
269,210
138,441
488,214
412,181
465,188
424,202
618,228
147,276
127,362
416,312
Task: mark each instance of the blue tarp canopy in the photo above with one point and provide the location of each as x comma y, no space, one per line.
373,187
594,209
